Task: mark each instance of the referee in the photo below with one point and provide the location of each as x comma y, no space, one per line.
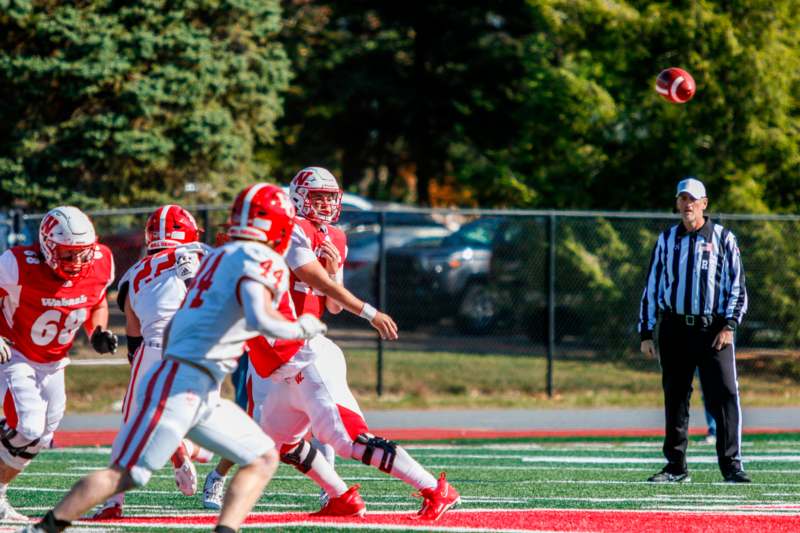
695,283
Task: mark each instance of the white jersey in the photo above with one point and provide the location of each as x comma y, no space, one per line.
209,329
156,287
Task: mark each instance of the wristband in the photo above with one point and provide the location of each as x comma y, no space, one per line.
368,312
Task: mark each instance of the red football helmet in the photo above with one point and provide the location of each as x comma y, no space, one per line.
170,226
302,191
67,241
263,212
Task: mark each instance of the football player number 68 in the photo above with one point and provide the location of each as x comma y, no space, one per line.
46,327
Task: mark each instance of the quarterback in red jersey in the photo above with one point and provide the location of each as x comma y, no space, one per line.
309,390
47,292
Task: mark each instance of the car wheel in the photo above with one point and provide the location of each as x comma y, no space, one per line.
477,313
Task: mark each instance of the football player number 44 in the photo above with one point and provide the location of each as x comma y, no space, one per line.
204,278
49,325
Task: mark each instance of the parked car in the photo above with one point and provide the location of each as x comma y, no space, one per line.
363,246
431,279
518,273
127,247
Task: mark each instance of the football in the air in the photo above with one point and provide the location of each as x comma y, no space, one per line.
675,85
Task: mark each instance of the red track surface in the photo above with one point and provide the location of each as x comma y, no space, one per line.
106,437
594,521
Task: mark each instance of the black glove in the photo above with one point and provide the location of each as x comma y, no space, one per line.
103,341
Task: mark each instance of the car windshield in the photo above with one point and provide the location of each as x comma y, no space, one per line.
476,233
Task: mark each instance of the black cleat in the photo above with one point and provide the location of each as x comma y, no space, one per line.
737,476
669,477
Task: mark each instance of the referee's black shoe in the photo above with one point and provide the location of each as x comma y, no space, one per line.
665,476
737,476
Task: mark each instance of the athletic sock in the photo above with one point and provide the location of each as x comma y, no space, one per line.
180,456
118,499
214,475
321,470
326,450
405,467
51,524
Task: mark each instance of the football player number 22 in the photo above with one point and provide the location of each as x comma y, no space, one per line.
203,280
49,326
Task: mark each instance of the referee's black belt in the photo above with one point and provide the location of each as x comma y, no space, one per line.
692,321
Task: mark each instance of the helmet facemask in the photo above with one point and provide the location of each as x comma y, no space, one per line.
322,205
307,190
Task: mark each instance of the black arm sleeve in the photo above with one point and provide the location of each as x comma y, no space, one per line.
133,345
122,294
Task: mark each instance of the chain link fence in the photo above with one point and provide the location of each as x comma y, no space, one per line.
561,288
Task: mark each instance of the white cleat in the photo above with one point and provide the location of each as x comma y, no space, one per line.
213,492
9,514
186,478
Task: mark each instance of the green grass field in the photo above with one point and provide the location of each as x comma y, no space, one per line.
498,477
422,380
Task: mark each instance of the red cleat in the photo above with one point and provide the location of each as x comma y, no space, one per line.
110,511
438,500
348,504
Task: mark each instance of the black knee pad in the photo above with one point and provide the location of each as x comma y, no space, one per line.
372,443
295,458
7,434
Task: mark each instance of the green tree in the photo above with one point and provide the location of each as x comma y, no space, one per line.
550,103
122,102
388,86
596,135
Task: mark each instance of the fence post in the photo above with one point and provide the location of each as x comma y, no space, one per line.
381,296
551,299
204,216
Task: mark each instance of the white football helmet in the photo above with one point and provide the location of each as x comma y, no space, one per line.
311,180
67,241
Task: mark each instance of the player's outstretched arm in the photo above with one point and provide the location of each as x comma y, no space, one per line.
259,315
315,276
103,340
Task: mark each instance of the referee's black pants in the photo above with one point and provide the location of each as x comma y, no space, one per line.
682,349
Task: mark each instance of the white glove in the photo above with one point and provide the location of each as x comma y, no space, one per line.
311,326
187,265
5,350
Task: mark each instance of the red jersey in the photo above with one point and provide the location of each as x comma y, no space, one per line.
307,239
267,355
41,311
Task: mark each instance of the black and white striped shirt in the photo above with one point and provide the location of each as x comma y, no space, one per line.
694,273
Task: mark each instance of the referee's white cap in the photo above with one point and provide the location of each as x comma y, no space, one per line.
693,186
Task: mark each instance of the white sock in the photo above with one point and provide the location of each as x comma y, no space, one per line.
214,475
118,499
326,450
3,488
405,468
322,472
189,447
197,453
